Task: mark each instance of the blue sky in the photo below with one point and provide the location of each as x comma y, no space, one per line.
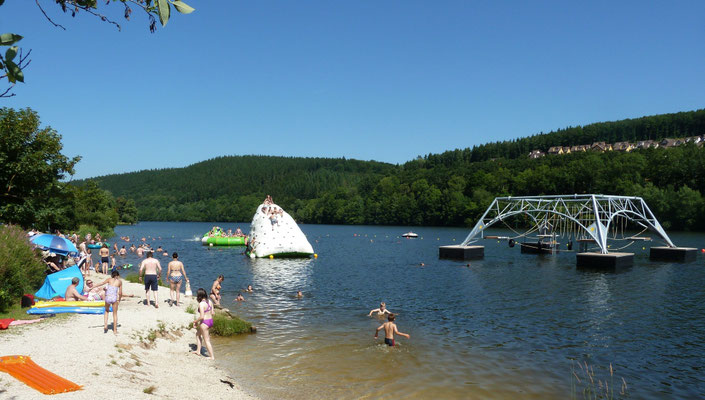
371,80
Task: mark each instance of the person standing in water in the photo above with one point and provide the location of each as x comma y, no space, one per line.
152,269
390,328
380,311
215,290
175,274
203,323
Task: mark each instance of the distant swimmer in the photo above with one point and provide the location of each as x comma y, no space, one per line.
299,294
380,311
239,297
249,289
390,328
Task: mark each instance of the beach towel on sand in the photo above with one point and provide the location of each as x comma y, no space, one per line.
28,372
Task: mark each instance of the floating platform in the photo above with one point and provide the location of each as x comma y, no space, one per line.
458,252
680,254
604,261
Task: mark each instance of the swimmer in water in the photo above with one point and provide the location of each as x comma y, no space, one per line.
299,294
239,297
249,289
380,311
390,328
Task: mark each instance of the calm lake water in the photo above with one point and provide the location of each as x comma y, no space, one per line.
509,326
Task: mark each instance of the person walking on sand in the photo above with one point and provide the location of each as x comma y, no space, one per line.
152,270
215,290
390,328
113,296
104,253
203,323
380,311
175,274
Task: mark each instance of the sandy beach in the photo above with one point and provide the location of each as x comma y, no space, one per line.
126,365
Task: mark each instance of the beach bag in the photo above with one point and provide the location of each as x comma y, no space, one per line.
27,300
188,292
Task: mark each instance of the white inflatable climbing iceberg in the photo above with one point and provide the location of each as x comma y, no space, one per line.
274,233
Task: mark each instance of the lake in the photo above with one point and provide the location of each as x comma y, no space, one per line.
508,326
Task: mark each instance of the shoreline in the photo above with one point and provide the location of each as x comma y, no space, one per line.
152,349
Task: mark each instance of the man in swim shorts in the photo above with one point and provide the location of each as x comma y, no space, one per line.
390,328
104,258
152,270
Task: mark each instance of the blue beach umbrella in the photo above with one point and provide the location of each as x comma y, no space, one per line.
55,244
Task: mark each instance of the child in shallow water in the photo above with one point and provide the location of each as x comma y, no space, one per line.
390,328
203,323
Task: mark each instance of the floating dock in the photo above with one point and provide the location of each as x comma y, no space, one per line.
680,254
459,252
604,261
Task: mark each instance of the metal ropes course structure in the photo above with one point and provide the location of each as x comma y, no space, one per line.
590,217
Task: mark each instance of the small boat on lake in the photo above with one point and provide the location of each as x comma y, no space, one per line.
410,235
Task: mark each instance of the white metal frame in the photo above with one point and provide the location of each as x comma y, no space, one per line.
593,213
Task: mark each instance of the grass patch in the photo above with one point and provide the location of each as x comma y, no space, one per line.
191,309
227,326
16,311
586,384
149,390
134,278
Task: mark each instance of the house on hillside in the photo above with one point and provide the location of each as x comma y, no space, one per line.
669,143
579,148
623,146
555,150
566,150
646,144
694,139
601,147
536,154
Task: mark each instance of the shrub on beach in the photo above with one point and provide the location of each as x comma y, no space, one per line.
224,325
21,269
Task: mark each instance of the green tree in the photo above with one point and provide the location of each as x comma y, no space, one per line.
31,165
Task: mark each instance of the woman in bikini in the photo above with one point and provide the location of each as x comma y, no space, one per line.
203,323
175,274
113,295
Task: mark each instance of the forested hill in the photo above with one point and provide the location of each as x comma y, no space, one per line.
452,188
230,188
656,127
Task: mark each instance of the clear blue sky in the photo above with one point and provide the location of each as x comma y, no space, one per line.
371,80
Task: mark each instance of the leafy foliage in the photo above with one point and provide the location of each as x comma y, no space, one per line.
21,270
31,193
31,165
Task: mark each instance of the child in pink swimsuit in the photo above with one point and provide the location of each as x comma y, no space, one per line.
113,295
203,323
